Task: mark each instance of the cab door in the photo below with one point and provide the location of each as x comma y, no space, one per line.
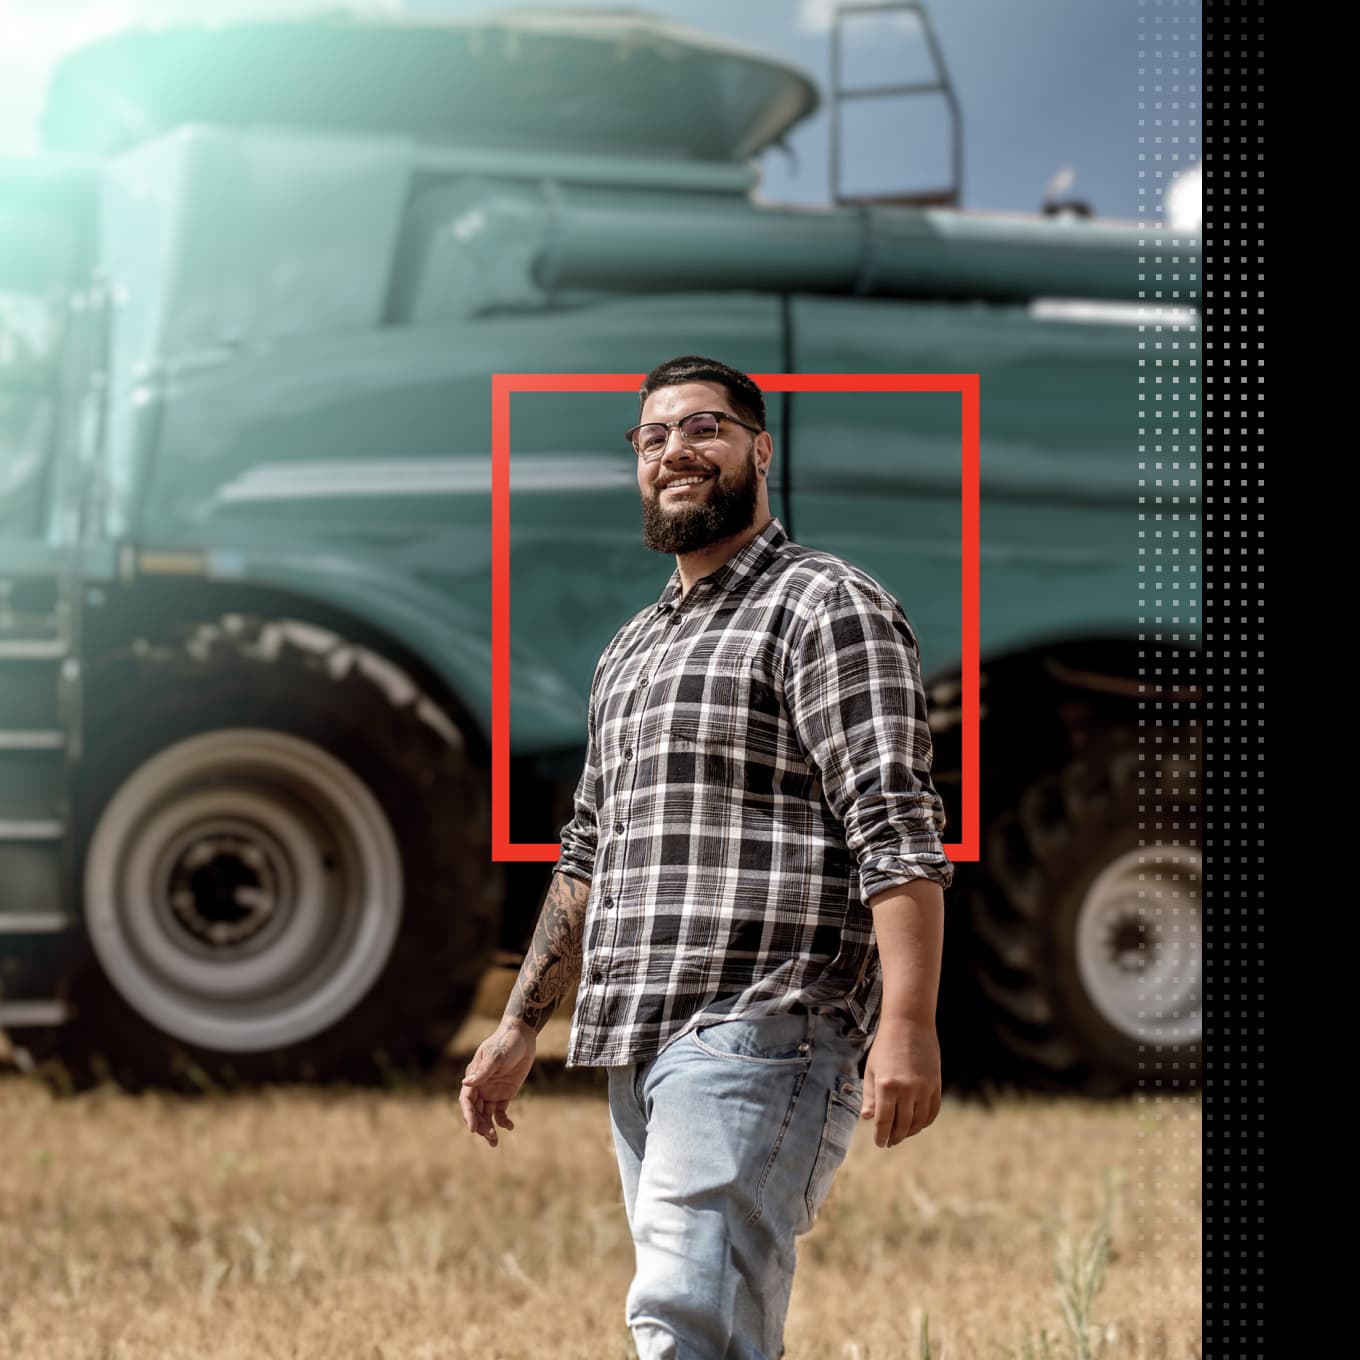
46,231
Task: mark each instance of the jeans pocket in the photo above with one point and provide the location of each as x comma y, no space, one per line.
772,1040
843,1104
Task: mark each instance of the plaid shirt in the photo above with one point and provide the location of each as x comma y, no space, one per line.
758,768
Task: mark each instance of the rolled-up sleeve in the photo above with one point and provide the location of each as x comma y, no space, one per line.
857,704
578,835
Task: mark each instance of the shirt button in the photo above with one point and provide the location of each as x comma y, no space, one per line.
628,755
618,828
608,902
597,975
642,684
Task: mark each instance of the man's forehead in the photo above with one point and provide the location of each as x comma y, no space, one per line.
667,403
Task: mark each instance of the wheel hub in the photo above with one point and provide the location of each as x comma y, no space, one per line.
1138,944
1130,945
223,889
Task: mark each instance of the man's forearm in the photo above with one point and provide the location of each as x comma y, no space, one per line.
552,966
909,928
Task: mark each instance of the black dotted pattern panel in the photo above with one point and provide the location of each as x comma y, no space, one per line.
1234,677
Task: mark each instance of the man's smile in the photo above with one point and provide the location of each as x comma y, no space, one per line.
688,482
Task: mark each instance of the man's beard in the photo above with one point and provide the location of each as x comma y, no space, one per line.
727,509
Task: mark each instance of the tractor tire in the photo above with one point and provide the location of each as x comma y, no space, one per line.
1086,928
287,871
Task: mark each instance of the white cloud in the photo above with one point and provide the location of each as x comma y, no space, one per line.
1183,204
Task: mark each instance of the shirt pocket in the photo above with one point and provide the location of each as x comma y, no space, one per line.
733,712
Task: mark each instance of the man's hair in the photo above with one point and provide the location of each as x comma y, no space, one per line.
745,397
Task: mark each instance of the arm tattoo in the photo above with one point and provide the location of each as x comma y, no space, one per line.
553,964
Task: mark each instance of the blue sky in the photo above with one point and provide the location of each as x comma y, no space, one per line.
1046,86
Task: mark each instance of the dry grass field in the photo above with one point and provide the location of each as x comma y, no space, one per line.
325,1225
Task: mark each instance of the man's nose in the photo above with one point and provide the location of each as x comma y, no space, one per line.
675,444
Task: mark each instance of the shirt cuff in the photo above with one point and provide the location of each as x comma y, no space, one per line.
881,872
573,869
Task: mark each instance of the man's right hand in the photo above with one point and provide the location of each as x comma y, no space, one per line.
493,1077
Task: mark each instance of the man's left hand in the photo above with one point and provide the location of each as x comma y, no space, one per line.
902,1080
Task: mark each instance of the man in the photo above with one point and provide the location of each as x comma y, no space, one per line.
750,891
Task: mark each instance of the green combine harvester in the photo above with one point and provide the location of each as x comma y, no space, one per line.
252,294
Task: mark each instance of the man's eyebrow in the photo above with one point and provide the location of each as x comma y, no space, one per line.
698,410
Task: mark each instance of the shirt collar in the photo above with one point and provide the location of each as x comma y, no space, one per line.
739,569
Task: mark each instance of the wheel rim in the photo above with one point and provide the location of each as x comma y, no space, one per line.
1138,944
243,890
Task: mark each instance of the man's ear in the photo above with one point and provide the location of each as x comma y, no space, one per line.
765,448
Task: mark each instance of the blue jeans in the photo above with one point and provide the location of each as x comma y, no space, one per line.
728,1141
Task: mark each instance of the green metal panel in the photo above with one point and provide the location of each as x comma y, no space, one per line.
193,277
876,477
358,472
567,81
478,243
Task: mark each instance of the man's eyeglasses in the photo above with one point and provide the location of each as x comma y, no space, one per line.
696,429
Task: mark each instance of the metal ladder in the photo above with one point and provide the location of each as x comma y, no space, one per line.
949,196
39,742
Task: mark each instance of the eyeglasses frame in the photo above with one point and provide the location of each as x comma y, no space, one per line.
720,416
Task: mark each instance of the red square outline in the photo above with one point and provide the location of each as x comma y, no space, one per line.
964,850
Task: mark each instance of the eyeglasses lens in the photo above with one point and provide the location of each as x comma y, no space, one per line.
699,428
650,440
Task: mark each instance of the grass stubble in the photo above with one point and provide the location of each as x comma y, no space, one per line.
369,1225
